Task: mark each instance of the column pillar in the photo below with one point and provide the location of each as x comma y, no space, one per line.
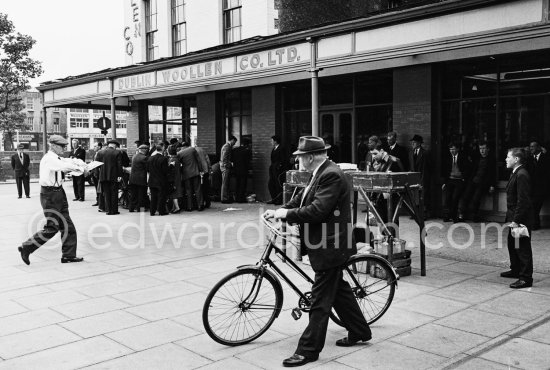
314,72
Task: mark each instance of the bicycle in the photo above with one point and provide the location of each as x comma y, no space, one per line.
244,304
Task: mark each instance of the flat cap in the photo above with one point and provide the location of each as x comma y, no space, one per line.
20,146
143,146
59,140
113,142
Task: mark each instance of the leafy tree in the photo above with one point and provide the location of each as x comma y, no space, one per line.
16,68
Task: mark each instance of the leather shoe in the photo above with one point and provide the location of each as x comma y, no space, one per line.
28,196
346,342
520,284
81,200
71,259
101,210
24,255
298,360
76,199
95,204
509,274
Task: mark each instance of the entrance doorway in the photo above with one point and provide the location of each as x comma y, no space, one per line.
336,129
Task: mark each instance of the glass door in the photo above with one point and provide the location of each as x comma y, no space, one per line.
336,129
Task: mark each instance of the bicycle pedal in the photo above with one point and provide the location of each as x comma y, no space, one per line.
296,313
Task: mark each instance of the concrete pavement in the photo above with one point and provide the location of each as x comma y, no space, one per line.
136,300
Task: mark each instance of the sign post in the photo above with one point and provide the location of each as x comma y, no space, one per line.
104,124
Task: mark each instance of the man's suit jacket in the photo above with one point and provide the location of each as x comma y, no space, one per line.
540,175
420,163
225,156
79,153
21,169
489,176
278,161
401,153
138,174
112,165
191,164
324,217
518,198
242,157
463,163
157,166
205,160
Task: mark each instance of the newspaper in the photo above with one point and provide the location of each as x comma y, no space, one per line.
84,167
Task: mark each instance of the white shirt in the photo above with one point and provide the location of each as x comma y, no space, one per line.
392,146
52,164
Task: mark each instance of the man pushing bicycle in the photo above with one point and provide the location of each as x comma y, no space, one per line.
322,209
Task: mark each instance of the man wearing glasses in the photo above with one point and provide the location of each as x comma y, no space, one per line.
54,203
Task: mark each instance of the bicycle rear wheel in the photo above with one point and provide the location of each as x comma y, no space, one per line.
373,283
241,307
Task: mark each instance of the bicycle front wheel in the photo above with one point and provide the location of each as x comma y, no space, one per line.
373,283
241,307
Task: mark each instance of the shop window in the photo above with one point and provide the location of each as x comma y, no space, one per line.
374,88
179,28
297,96
232,21
151,28
335,90
238,114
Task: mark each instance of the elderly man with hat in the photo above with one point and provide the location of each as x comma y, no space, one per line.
110,176
54,203
138,179
323,212
20,163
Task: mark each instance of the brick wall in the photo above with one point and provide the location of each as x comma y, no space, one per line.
264,118
132,128
206,122
412,103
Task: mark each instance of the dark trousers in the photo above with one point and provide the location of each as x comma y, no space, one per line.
137,196
330,290
241,187
521,256
78,186
192,188
538,201
110,195
22,182
453,191
275,186
205,189
56,211
472,199
226,177
158,201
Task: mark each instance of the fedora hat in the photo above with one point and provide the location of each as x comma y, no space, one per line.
417,138
310,144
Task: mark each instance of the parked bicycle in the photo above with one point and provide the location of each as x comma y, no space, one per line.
244,304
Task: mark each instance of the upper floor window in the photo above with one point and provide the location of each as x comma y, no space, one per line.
30,103
151,28
56,109
179,31
231,21
79,122
30,121
56,124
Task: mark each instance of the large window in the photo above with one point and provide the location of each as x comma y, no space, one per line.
30,121
510,108
238,114
30,103
232,21
173,120
56,125
80,122
179,31
151,41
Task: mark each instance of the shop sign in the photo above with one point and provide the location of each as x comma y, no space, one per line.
261,61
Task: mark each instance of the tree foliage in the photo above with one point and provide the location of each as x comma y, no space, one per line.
16,68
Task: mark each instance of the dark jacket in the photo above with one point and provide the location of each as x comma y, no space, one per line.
540,175
21,169
421,164
487,178
401,153
112,165
225,156
464,165
138,174
279,161
157,166
242,157
518,191
191,164
324,218
79,153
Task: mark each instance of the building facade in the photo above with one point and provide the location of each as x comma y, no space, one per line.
450,71
31,138
155,29
82,125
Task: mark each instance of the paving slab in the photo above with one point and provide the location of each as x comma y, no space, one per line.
521,304
521,353
479,363
431,305
481,322
29,320
89,307
95,325
472,291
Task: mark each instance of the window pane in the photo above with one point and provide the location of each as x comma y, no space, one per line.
246,125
